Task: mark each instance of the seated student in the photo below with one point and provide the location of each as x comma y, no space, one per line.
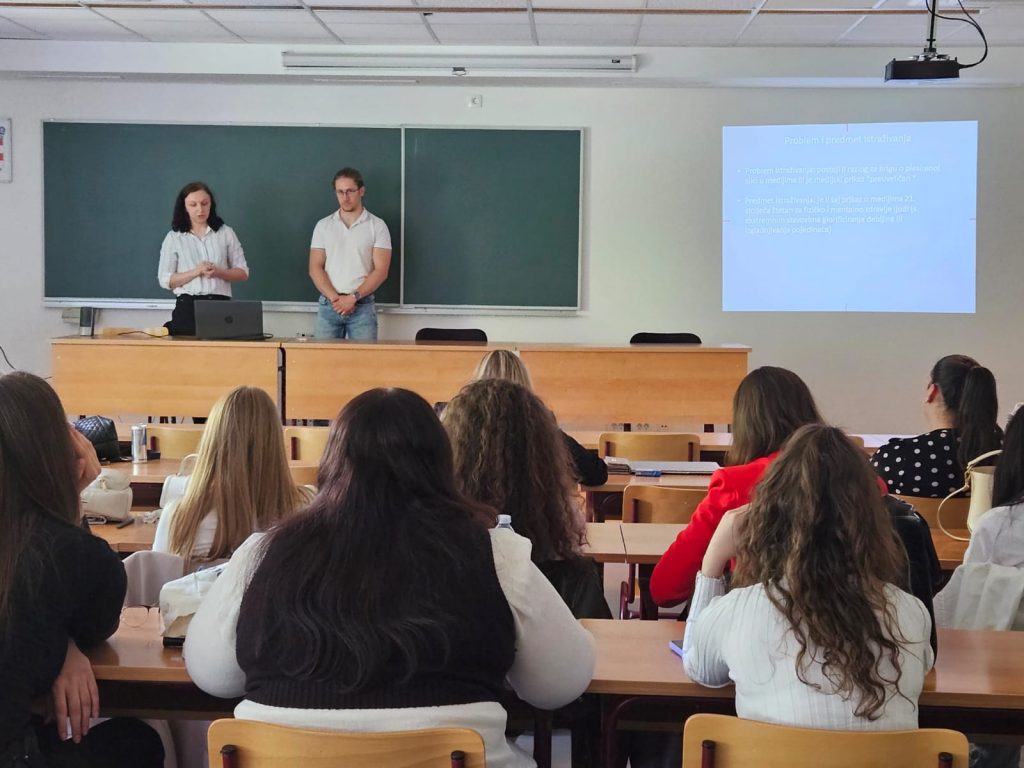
589,468
961,409
508,455
388,604
997,546
241,481
814,632
60,588
769,405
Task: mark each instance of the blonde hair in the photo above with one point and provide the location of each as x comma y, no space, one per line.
503,364
242,473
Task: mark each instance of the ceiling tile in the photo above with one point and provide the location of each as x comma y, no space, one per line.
389,3
464,34
182,31
11,31
589,19
796,30
585,34
588,4
370,17
406,34
478,19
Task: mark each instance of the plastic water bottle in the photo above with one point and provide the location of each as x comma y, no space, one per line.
505,521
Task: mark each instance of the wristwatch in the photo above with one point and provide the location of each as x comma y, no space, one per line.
356,294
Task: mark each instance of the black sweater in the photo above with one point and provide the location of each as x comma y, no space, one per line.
590,468
69,584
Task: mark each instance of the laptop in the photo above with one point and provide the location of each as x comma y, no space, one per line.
229,320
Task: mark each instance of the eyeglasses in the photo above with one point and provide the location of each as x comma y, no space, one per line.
346,192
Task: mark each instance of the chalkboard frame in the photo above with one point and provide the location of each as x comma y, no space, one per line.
402,307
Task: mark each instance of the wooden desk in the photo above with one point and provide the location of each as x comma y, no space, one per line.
158,377
321,377
137,537
645,543
977,685
656,383
717,443
156,471
618,483
604,543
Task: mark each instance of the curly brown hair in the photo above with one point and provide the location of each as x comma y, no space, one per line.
510,455
818,538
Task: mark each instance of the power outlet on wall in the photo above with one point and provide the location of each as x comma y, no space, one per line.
476,101
69,315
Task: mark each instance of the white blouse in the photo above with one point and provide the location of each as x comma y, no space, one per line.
183,251
554,656
742,638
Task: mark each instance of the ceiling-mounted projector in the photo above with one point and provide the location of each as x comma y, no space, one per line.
930,64
923,66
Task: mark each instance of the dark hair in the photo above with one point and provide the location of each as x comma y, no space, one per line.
180,222
969,393
349,173
510,455
37,473
366,569
770,404
819,539
1008,485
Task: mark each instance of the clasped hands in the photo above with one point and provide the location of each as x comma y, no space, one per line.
344,304
207,269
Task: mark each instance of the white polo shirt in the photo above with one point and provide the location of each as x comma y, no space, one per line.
350,249
182,251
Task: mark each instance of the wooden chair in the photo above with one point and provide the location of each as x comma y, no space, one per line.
305,443
251,744
954,513
173,441
450,334
720,741
304,475
664,338
651,504
650,446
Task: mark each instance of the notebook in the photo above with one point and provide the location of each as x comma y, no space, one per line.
674,467
229,320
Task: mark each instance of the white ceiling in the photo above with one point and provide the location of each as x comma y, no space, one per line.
621,23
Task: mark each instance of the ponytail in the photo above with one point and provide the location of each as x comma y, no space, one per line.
977,414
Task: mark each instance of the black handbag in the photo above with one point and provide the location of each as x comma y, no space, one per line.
100,431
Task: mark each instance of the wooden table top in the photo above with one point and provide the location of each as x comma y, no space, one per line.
977,669
158,470
717,442
646,542
618,483
604,543
137,537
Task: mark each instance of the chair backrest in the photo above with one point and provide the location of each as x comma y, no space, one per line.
856,440
251,744
733,742
954,512
147,572
664,338
173,441
304,475
450,334
650,446
305,443
659,504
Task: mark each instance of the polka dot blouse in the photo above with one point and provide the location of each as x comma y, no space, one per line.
925,465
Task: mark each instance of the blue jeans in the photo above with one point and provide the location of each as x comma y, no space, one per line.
361,325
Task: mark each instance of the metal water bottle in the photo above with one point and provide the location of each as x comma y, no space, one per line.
139,444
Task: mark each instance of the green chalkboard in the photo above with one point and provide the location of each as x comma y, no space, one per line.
109,191
492,217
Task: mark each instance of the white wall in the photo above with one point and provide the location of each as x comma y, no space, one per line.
652,220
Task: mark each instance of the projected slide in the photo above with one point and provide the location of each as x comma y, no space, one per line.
871,217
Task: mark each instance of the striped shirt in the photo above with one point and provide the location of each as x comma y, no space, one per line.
184,251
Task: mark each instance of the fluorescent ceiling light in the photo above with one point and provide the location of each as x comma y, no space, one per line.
458,64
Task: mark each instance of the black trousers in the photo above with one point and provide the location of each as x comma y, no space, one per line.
117,743
183,317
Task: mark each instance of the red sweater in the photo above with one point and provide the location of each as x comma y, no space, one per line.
730,487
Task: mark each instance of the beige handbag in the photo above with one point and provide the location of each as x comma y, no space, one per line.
108,498
175,485
979,482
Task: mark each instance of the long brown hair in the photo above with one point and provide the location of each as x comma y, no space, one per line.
242,473
818,538
37,474
969,393
770,404
510,455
